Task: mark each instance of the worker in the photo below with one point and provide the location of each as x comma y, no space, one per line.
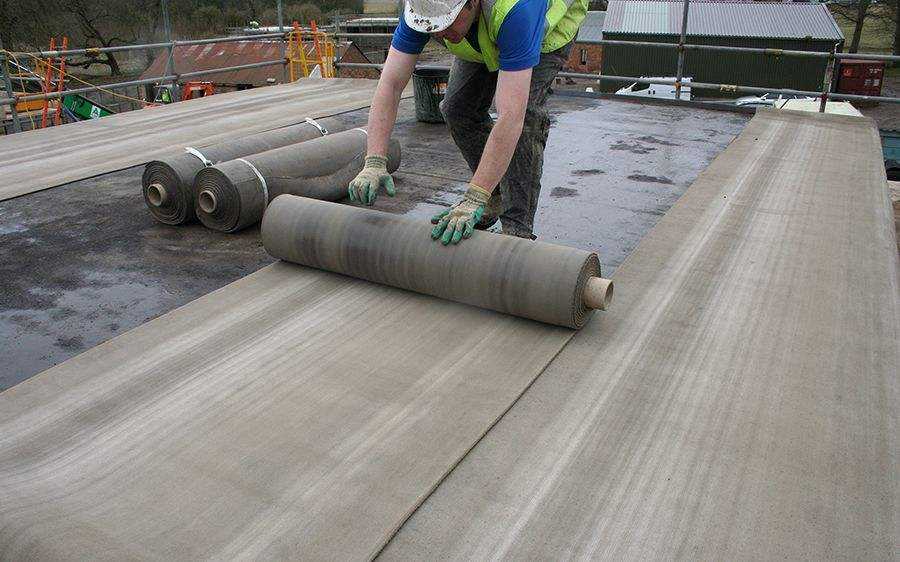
508,50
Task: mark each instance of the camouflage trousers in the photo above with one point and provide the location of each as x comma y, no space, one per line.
466,106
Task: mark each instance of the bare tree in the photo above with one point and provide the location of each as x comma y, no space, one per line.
897,27
25,26
861,11
95,20
888,18
881,18
857,14
303,13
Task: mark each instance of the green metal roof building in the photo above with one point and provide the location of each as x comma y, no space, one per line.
794,25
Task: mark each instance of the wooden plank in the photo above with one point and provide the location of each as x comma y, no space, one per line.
36,160
740,399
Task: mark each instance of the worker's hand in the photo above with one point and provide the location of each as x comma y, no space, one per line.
364,187
459,221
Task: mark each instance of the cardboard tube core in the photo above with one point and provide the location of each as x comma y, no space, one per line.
598,293
207,201
157,194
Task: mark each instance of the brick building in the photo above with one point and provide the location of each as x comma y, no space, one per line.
586,56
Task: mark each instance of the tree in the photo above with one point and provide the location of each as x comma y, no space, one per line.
888,17
861,11
95,19
24,26
866,16
856,13
303,13
897,27
207,18
236,17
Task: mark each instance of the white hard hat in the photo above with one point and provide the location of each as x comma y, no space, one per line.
431,16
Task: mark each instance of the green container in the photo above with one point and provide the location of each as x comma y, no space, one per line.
890,142
84,108
429,87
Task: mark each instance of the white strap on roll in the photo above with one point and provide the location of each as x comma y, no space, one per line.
262,180
361,130
194,152
315,124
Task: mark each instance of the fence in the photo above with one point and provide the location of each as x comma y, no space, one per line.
682,48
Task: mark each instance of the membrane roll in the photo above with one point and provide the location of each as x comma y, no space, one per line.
233,195
167,184
525,278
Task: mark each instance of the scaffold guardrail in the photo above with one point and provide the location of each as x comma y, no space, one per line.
682,47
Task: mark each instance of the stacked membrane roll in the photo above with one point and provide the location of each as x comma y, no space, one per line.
167,184
233,195
507,274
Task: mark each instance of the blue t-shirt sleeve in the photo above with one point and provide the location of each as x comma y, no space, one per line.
408,40
521,35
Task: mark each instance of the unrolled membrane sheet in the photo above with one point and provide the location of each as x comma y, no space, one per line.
740,400
294,414
167,183
233,195
36,160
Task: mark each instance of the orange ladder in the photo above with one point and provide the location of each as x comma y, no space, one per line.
323,49
48,83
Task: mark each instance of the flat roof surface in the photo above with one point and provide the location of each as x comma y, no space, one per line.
78,270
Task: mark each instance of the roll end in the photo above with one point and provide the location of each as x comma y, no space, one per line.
166,188
157,195
598,293
207,201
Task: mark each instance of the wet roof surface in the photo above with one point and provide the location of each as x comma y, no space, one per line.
85,262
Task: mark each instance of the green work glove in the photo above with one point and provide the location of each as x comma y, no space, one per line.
459,221
364,187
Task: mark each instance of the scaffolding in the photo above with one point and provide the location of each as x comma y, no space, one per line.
322,48
296,64
826,94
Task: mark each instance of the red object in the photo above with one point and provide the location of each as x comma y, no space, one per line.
861,77
61,82
193,90
47,84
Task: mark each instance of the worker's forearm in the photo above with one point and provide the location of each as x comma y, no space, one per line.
398,68
512,102
382,116
498,151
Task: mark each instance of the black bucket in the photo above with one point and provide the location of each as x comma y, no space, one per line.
429,86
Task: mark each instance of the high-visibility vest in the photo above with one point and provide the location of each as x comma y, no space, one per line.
562,21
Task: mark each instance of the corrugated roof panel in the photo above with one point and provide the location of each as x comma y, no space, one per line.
723,19
646,15
592,27
191,58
